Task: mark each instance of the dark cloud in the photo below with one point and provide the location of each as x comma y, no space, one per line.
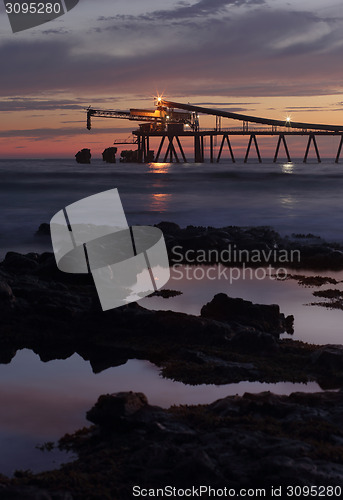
263,52
60,31
199,9
310,109
38,134
223,103
30,104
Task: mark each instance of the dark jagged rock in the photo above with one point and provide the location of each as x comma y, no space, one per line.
129,156
6,293
21,263
31,493
83,156
254,441
112,409
248,341
169,227
328,358
43,230
222,245
272,248
165,293
109,155
266,318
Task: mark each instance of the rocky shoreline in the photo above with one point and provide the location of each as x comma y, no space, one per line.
254,441
235,246
56,315
249,441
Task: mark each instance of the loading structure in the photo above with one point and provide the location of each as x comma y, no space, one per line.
171,121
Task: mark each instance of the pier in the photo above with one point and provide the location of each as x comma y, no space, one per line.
172,122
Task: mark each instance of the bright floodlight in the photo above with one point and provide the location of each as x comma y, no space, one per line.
288,119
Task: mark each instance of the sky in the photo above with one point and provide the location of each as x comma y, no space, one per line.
267,58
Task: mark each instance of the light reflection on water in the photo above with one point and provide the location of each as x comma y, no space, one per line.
291,197
312,324
159,168
160,202
288,168
42,401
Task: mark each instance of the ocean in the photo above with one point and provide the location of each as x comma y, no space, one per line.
290,197
42,401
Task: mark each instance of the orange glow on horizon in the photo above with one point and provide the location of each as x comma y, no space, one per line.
62,132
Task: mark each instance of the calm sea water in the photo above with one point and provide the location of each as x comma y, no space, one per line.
42,401
291,197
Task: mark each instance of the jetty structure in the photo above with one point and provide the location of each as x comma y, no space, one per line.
171,122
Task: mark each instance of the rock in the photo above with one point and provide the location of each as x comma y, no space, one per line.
19,262
113,408
266,318
83,156
129,156
254,342
168,227
257,440
31,493
165,293
109,155
43,230
329,358
6,293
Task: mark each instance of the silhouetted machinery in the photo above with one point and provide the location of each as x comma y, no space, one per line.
156,120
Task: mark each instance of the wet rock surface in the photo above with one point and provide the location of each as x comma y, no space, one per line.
31,493
264,317
83,156
258,440
109,155
250,441
58,314
235,246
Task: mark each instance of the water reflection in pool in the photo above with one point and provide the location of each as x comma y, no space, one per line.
317,325
42,401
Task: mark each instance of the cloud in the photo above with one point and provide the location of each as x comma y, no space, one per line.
261,51
30,104
184,10
223,103
53,133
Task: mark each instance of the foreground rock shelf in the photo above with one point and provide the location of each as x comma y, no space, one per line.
258,440
56,315
238,442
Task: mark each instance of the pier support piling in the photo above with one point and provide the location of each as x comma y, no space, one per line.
283,139
226,137
181,149
197,149
253,138
171,150
311,138
159,148
339,149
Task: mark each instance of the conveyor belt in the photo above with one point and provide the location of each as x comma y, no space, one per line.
251,119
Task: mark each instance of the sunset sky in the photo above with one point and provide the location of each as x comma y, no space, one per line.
268,58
